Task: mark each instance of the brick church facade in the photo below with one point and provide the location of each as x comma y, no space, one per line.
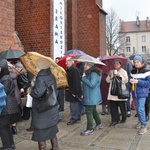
85,26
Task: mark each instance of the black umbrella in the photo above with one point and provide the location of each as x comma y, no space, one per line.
11,54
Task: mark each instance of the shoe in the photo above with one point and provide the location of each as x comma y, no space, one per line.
11,148
29,129
23,118
71,122
98,127
143,130
138,125
103,113
60,109
122,121
129,114
14,130
136,115
147,118
83,113
113,124
87,132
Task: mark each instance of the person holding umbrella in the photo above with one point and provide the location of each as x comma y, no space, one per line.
115,102
91,79
73,91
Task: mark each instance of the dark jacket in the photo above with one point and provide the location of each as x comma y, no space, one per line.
49,118
6,80
74,82
142,87
17,92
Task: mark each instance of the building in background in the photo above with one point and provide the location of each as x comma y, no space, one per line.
8,36
136,37
51,27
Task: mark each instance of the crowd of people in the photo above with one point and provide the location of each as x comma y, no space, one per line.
88,86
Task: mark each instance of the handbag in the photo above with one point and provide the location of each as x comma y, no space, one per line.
29,101
124,94
116,86
48,100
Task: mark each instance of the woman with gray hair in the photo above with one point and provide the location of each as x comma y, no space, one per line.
44,124
91,79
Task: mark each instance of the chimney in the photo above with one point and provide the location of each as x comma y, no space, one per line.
137,21
147,21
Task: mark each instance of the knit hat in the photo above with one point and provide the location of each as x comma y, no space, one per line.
139,58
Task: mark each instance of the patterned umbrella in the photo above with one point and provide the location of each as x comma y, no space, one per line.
29,61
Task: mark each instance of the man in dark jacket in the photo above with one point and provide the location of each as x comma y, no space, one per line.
73,92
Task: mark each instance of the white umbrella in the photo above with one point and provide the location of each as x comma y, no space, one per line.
87,58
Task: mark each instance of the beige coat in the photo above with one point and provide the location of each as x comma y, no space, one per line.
123,74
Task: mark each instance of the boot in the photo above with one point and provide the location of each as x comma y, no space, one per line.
42,145
14,130
54,144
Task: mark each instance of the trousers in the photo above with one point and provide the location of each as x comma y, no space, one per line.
5,132
91,114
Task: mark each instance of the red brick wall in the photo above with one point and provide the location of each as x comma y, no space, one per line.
86,26
8,38
33,24
102,34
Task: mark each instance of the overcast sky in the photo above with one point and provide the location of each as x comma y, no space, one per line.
127,10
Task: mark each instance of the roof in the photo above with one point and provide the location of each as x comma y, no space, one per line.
131,26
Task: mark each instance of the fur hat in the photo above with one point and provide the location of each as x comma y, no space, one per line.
139,58
19,65
43,63
90,64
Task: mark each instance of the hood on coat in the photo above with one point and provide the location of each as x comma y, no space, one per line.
3,64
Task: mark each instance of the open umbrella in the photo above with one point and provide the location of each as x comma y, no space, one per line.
11,54
108,60
131,57
74,51
88,58
62,61
29,61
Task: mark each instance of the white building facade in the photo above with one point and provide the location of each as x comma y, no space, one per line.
135,37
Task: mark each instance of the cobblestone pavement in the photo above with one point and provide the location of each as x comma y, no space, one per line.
121,137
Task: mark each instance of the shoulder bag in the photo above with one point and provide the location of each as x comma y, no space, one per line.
116,86
124,94
48,100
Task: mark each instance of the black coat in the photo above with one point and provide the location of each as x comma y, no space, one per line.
49,118
74,82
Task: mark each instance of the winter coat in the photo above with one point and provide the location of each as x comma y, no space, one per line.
17,92
48,118
124,76
141,89
104,89
91,87
6,80
74,82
